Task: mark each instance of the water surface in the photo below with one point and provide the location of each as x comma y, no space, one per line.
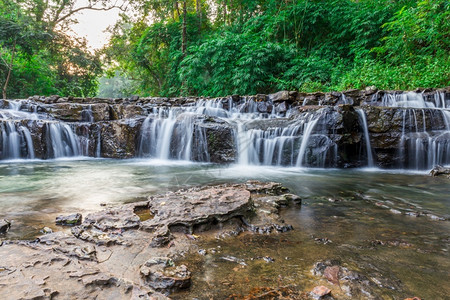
361,212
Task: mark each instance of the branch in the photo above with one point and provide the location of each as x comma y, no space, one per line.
123,7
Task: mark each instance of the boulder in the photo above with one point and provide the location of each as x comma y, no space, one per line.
70,220
4,226
440,170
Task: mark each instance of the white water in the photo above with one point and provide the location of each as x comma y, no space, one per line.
18,141
171,133
363,122
422,147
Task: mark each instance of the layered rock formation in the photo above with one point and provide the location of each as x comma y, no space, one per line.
350,129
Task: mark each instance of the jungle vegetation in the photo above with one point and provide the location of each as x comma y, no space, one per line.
223,47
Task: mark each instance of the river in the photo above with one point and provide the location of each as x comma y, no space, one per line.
360,217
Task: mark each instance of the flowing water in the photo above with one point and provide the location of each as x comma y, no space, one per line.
382,223
351,208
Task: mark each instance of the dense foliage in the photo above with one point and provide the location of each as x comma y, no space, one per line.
222,47
260,46
37,54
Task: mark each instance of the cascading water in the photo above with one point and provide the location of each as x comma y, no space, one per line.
17,141
363,122
173,133
61,141
422,147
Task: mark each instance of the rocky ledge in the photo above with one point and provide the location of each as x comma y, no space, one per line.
131,251
440,171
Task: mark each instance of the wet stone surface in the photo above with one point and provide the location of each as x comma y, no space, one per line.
108,254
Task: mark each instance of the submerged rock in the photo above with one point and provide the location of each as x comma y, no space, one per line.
161,274
70,220
4,225
320,292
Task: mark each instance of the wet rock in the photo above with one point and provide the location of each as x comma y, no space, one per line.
220,142
320,292
161,274
119,138
293,198
183,210
46,230
322,240
99,280
331,273
4,226
440,170
355,284
121,218
233,259
70,220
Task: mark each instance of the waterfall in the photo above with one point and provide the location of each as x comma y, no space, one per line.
98,148
61,141
363,122
168,134
422,147
16,141
87,114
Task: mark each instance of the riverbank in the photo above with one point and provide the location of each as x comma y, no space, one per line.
357,221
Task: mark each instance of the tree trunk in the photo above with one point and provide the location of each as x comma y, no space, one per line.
10,67
183,29
198,8
225,12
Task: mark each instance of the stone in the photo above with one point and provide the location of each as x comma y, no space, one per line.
440,170
161,274
331,273
46,230
70,220
5,225
281,96
319,292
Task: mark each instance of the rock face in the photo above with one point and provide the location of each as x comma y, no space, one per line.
108,255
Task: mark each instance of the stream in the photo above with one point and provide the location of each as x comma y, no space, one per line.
388,224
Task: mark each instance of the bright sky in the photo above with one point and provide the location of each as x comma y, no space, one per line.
92,25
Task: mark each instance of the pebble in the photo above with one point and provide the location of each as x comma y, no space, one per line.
320,291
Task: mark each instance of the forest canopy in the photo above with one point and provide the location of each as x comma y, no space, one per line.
223,47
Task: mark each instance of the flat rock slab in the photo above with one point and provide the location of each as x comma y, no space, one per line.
70,220
198,206
108,256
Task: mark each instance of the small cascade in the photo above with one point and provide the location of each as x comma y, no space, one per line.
305,141
422,147
98,148
61,141
296,143
415,100
16,141
168,134
363,122
87,115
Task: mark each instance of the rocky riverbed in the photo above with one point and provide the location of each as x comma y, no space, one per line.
363,235
131,251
